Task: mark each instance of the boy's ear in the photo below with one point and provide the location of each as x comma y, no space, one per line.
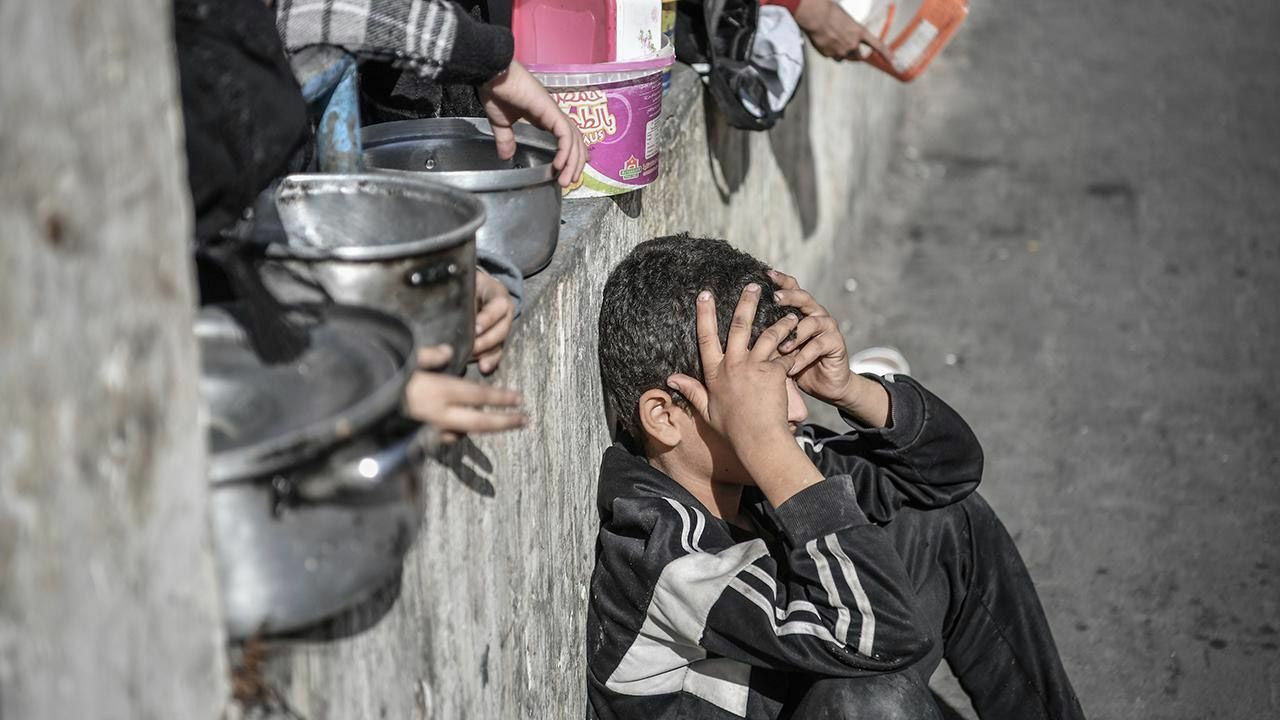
659,416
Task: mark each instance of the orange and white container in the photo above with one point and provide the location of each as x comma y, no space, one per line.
915,30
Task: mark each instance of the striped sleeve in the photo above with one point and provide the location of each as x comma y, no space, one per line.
836,602
432,38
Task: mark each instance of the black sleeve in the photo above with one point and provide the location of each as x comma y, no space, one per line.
927,457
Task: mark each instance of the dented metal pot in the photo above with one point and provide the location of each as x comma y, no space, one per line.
404,245
315,480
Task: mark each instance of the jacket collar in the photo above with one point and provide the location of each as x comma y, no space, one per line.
623,474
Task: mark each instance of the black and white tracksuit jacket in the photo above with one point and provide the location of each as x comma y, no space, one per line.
690,617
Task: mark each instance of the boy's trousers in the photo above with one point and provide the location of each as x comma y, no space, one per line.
985,616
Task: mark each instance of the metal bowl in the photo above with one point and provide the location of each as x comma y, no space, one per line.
316,491
401,244
520,195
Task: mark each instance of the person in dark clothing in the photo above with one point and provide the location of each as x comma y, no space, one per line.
749,565
245,120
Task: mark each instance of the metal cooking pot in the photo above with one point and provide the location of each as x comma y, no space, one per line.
316,493
401,244
520,196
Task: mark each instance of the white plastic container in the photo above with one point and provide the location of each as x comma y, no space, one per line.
638,30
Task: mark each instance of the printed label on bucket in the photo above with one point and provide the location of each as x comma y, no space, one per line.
618,121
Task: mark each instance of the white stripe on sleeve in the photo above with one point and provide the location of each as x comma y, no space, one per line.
793,627
833,593
866,637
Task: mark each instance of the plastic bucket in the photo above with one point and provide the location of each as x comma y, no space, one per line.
616,106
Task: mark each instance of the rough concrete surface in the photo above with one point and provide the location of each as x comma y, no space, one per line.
1079,247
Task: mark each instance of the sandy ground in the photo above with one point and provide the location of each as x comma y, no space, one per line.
1079,247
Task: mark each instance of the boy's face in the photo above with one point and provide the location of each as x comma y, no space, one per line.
709,454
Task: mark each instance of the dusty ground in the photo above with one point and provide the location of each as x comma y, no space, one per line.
1079,247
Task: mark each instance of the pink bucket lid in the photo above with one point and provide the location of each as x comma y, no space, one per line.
661,61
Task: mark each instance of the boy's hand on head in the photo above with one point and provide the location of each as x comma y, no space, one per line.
820,359
743,395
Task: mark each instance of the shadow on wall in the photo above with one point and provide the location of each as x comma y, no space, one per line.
469,465
793,150
729,152
631,204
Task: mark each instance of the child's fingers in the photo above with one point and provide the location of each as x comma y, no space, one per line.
492,338
808,355
460,391
488,362
459,419
564,145
491,312
801,300
783,281
505,138
709,349
693,391
434,356
744,317
768,341
805,331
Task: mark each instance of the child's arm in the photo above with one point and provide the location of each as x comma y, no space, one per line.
927,456
908,446
838,603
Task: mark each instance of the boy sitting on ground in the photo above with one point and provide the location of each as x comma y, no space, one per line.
751,566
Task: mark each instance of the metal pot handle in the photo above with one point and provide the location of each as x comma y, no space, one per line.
432,273
367,471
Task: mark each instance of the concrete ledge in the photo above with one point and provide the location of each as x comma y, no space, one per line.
488,621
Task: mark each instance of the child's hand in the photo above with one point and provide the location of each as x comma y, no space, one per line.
820,360
495,312
745,395
455,407
515,95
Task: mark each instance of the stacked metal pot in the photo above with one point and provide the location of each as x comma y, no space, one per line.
316,477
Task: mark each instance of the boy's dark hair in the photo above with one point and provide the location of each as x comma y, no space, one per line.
648,320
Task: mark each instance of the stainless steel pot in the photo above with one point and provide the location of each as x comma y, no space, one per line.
316,491
400,244
520,196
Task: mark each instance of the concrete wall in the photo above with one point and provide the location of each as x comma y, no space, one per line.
108,607
490,614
